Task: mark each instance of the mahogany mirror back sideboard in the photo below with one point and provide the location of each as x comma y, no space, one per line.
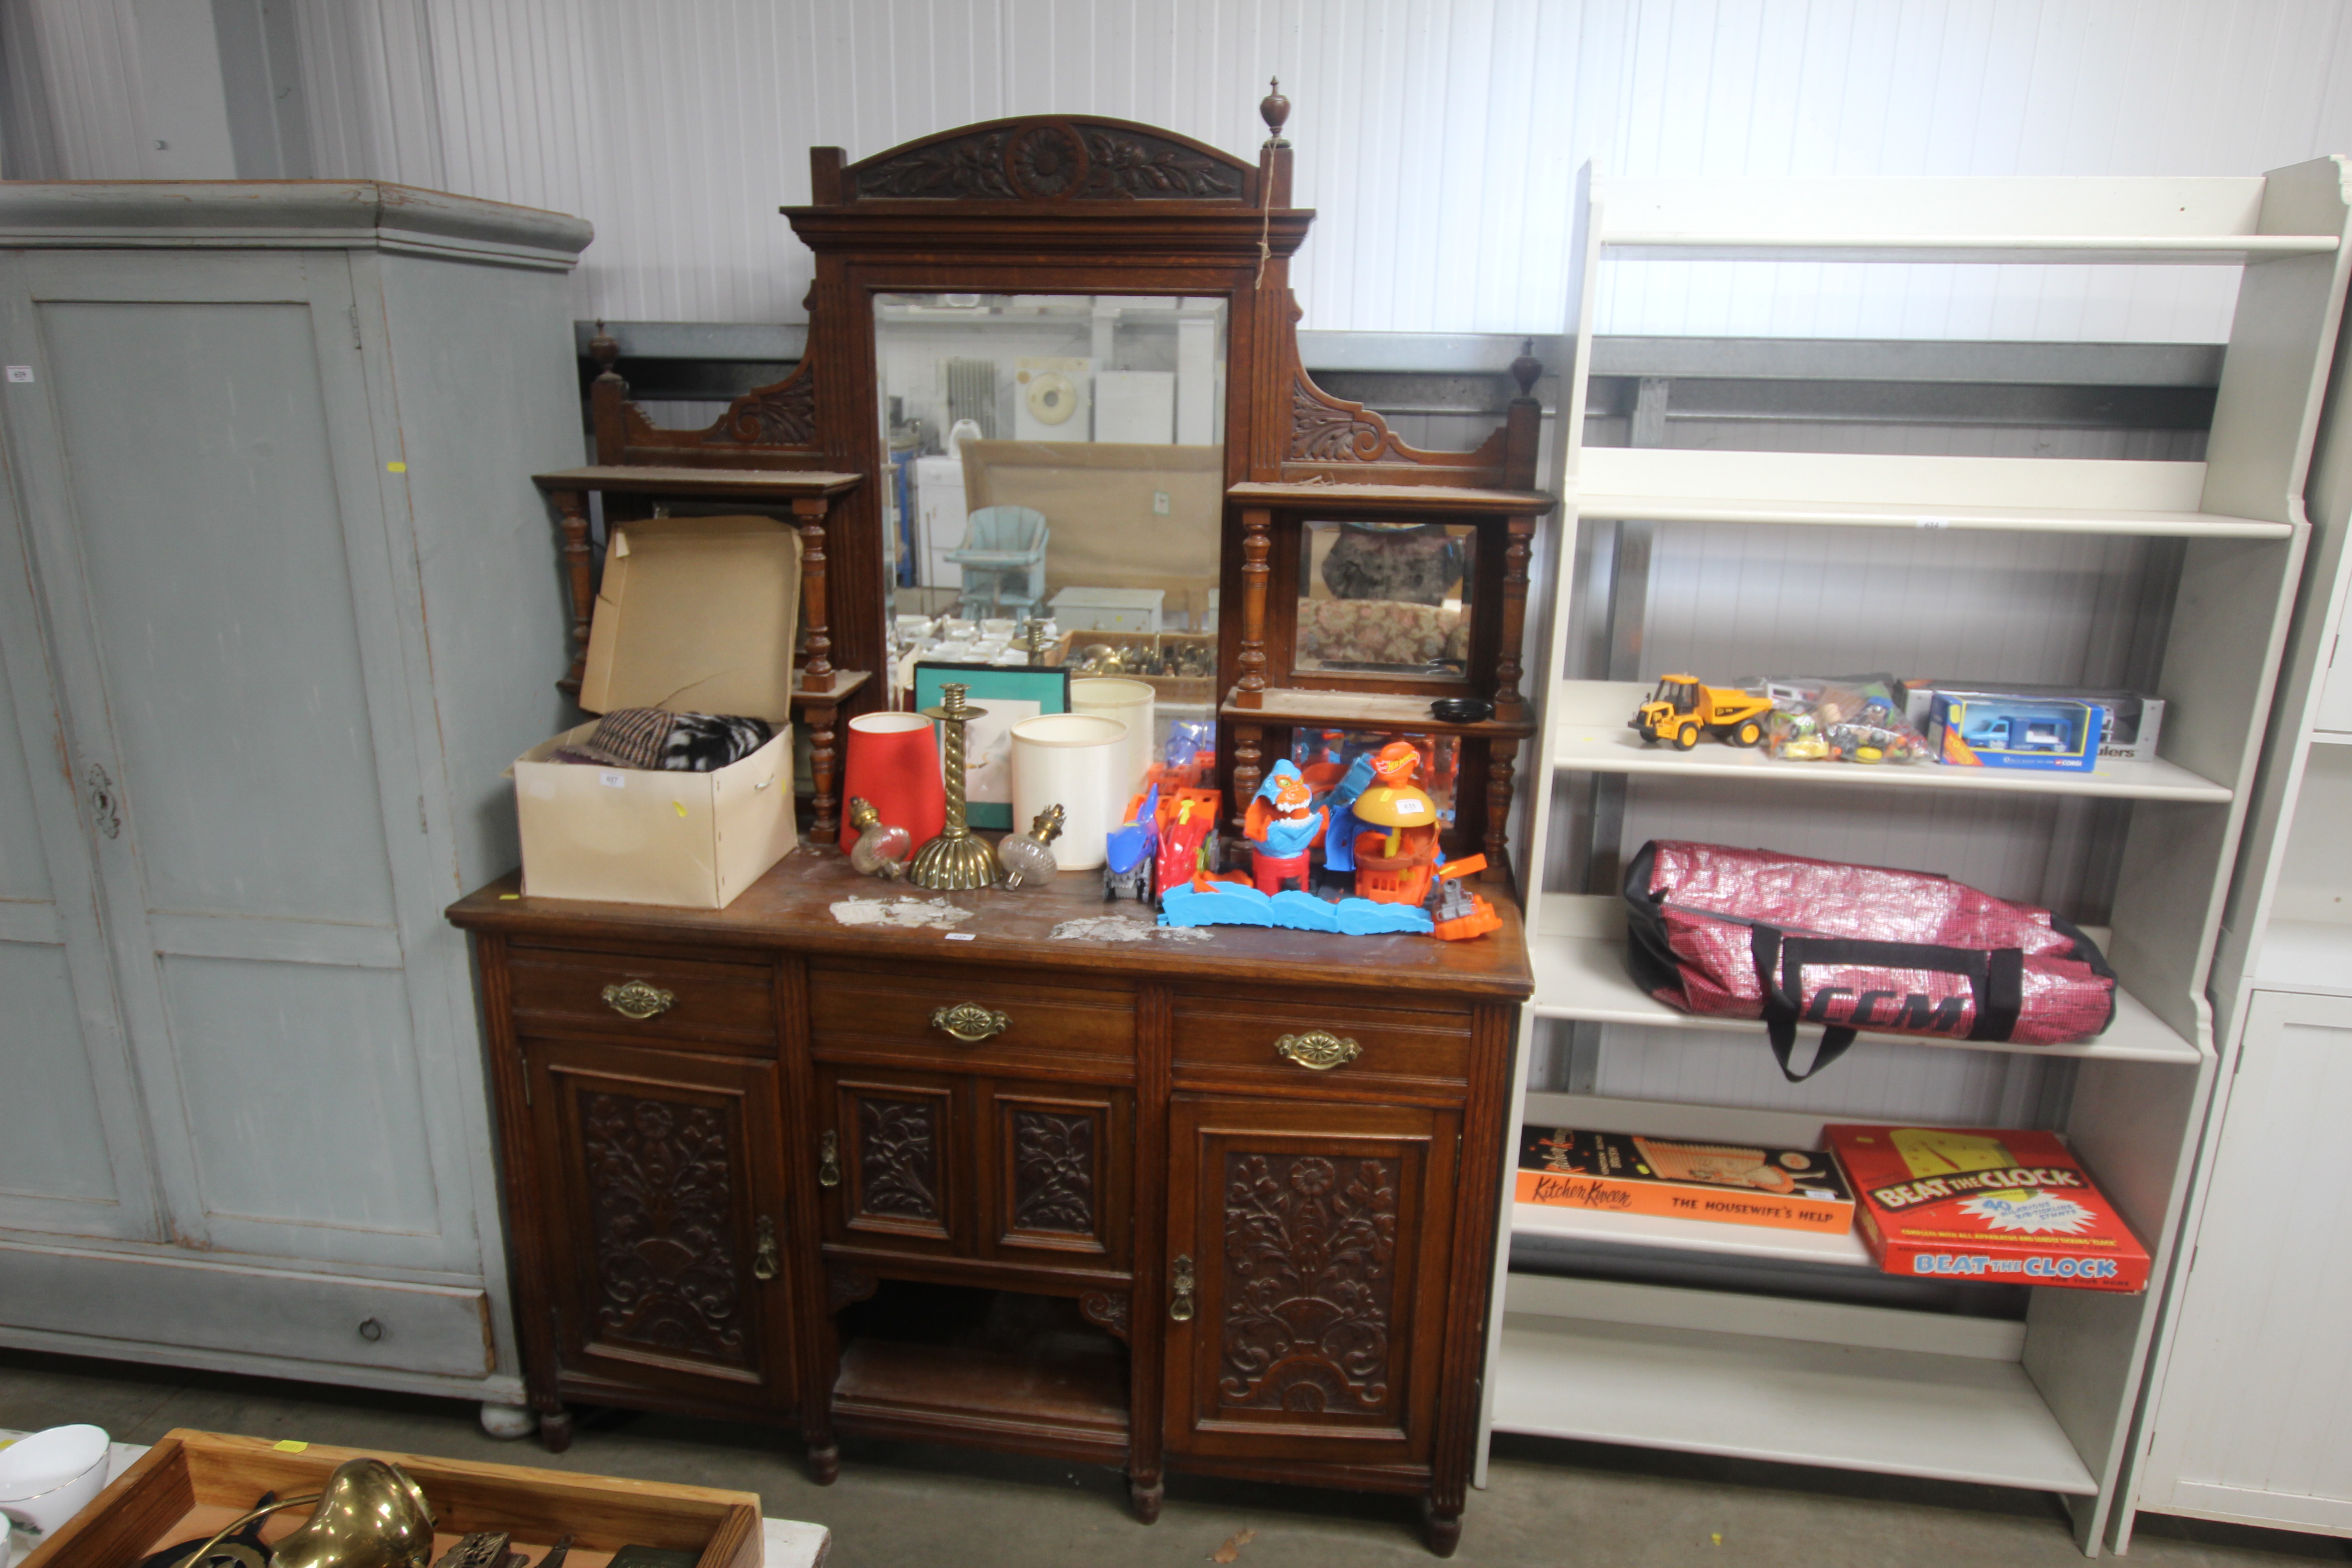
1015,1168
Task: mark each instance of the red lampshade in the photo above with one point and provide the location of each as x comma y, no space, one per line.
894,762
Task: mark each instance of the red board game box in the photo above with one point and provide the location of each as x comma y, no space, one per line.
2012,1208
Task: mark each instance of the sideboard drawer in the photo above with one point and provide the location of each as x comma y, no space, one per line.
1255,1042
1007,1021
678,1001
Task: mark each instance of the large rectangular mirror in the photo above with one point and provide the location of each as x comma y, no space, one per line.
1054,457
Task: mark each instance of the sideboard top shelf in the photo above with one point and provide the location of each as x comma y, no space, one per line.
793,906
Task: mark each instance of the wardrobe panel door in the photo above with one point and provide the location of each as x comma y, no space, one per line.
72,1152
233,665
2252,1405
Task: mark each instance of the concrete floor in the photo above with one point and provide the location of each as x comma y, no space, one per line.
896,1503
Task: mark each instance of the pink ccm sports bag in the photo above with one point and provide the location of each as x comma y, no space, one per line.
1745,934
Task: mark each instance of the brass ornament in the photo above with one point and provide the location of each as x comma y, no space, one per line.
369,1515
636,999
956,859
1318,1050
1180,1309
970,1022
828,1160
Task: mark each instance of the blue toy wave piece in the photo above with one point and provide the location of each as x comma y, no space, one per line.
1363,916
1303,912
1227,904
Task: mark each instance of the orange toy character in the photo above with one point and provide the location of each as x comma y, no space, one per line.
1394,866
1285,823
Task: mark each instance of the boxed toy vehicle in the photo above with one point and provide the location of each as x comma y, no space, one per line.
2011,1208
1789,1189
2044,732
2135,720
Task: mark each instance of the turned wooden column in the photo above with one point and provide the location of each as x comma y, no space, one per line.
817,674
821,717
1510,704
1256,546
1249,766
1502,756
572,505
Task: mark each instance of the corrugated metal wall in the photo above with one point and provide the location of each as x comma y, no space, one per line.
1439,139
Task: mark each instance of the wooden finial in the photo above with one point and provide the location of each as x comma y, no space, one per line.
1525,368
1275,110
604,351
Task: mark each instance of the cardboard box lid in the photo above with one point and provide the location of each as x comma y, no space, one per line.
697,614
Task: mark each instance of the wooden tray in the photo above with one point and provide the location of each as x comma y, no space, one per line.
1186,689
192,1483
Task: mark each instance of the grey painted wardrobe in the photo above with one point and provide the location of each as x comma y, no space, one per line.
277,603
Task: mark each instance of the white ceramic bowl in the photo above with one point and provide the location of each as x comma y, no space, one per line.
50,1477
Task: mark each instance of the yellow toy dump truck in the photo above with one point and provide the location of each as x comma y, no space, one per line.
1680,708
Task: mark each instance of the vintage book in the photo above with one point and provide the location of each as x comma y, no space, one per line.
1732,1184
2014,1208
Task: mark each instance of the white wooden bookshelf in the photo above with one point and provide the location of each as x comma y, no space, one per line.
1749,1369
2252,1369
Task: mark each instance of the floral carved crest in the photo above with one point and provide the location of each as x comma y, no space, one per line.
1052,160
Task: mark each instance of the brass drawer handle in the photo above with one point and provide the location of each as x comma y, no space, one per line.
1179,1310
1318,1050
636,999
828,1160
970,1022
763,1257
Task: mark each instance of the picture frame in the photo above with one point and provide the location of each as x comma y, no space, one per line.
1011,692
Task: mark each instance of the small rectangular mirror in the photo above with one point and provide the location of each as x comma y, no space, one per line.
1385,598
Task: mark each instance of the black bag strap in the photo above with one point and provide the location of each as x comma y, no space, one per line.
1996,978
1780,1009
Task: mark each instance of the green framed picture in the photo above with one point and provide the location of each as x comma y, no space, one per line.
1010,693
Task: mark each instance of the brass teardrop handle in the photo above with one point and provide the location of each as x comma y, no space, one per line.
1318,1050
828,1160
763,1256
636,999
970,1022
1180,1280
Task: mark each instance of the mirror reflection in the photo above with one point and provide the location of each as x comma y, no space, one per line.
1385,598
1054,459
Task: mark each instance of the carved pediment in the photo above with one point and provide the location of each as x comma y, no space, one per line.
1054,159
779,416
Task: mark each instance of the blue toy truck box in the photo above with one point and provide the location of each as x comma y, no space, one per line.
2044,733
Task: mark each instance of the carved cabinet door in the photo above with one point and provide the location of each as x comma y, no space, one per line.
1306,1278
667,1232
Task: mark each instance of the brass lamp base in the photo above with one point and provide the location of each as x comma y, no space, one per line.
954,861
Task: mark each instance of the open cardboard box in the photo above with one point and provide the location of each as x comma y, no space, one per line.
192,1483
697,614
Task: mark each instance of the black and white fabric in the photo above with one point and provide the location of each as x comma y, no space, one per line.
672,742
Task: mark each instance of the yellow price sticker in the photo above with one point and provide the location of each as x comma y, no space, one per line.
395,467
288,1446
679,806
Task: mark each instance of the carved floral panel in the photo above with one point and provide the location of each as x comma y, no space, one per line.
1054,1172
1309,1284
661,1214
898,1159
1050,161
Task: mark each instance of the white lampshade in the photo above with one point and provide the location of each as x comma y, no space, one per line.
1129,703
1068,759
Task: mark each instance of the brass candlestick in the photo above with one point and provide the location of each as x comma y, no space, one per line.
955,860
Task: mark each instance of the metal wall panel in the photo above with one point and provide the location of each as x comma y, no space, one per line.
1440,140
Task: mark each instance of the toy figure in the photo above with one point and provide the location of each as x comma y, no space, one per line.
1187,839
1285,823
1394,867
1129,849
1337,875
1455,913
